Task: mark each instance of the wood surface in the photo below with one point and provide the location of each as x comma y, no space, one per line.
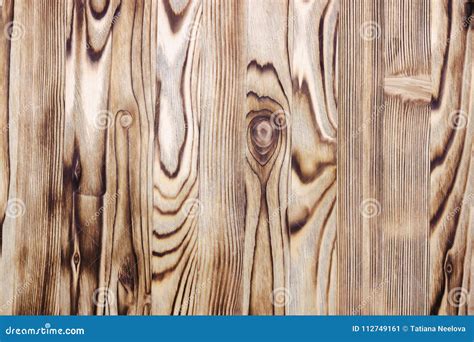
236,157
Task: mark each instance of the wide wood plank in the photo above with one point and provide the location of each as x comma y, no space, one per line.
451,143
34,212
383,162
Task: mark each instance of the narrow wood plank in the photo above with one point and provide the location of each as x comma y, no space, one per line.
176,157
11,31
88,123
6,23
35,214
221,164
361,66
126,263
312,201
268,124
452,183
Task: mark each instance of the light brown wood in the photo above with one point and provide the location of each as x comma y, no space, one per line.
268,122
451,141
35,210
247,157
312,200
383,158
176,157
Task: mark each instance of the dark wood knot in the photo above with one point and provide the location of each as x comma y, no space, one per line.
263,135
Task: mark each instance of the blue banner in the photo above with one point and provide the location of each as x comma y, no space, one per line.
237,328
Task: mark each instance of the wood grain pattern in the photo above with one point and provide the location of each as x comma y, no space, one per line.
384,168
312,204
34,214
451,160
176,151
268,123
236,157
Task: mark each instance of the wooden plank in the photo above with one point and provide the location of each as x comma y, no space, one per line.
126,266
268,124
176,157
6,22
89,122
219,261
452,132
199,201
312,203
13,31
361,61
35,213
383,158
405,186
110,106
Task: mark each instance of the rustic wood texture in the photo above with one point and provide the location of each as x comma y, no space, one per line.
452,187
35,212
236,157
312,200
268,124
383,165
